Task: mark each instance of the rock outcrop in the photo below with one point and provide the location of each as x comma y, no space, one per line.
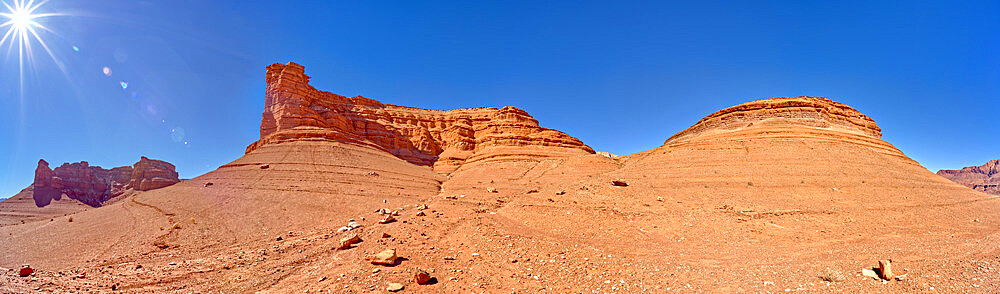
295,111
93,185
817,112
149,174
983,178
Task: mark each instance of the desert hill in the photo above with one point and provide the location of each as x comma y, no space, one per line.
766,196
983,178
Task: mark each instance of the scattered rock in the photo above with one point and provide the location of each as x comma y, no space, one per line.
421,213
349,226
387,219
280,238
384,211
619,183
386,235
451,197
491,190
374,174
658,198
266,166
386,257
421,277
26,270
449,258
209,184
421,207
346,242
532,191
561,193
394,287
885,268
869,273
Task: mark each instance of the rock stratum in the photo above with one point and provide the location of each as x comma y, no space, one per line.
984,178
295,111
765,196
93,185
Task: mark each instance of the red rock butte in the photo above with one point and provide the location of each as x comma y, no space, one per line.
446,140
94,185
763,196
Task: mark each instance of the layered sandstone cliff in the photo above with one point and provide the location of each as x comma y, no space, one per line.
788,117
93,185
295,111
983,178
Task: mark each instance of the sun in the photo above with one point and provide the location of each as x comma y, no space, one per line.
20,16
23,32
20,19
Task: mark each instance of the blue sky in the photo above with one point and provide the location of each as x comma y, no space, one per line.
621,76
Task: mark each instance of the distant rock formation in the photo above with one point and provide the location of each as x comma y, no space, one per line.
149,174
294,110
93,185
983,178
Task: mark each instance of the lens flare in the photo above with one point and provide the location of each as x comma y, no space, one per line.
124,85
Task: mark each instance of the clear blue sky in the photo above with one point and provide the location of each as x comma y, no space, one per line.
621,76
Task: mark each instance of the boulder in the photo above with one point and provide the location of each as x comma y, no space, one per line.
386,257
394,287
421,277
347,241
885,268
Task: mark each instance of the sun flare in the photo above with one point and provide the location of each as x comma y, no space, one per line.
23,31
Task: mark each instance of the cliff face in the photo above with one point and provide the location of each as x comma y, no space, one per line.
149,174
983,178
295,111
93,185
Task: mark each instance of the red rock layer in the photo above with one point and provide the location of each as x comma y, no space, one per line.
983,178
295,111
149,174
93,185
